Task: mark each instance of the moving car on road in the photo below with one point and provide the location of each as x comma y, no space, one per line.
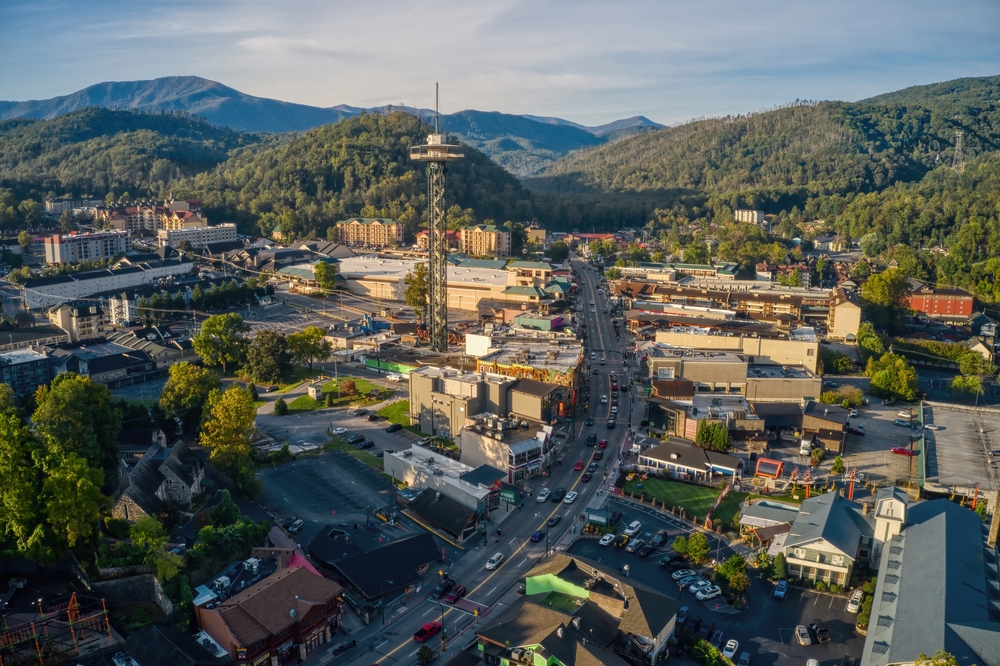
557,495
537,536
590,420
427,632
543,494
554,520
442,588
494,561
456,593
603,444
570,497
586,478
578,466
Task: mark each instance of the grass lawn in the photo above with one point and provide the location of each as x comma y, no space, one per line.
398,412
363,386
337,444
303,403
696,500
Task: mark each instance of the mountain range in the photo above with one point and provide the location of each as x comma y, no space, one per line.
524,145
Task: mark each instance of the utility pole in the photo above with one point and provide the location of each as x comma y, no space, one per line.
437,154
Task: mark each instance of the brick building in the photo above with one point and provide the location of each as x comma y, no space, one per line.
946,304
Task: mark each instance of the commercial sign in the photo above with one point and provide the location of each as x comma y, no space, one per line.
508,495
598,517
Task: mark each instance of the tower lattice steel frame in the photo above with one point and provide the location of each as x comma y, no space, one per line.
437,153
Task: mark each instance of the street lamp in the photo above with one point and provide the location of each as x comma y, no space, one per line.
381,589
444,632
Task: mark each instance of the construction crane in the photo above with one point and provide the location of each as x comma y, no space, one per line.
437,154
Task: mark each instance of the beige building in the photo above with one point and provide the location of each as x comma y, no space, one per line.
528,273
536,234
370,231
782,349
749,216
845,314
74,248
198,236
182,219
486,240
501,444
82,320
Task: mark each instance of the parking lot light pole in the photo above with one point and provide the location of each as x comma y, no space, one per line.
382,594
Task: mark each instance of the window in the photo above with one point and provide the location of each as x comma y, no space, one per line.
837,560
809,352
800,553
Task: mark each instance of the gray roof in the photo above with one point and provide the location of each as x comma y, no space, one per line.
485,475
936,594
832,518
831,413
533,387
692,457
770,512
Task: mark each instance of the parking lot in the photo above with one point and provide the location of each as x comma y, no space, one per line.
957,453
766,629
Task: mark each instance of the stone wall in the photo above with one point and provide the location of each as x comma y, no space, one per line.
132,590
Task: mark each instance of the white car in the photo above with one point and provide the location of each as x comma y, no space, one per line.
854,605
607,540
543,494
339,431
494,561
604,399
683,573
570,497
731,647
854,413
394,377
931,426
708,593
633,528
699,586
614,409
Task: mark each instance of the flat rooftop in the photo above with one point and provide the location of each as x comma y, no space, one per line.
393,269
541,355
22,356
656,351
720,404
763,371
442,467
461,375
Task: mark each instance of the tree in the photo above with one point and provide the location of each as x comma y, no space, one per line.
791,279
280,407
739,582
309,345
24,240
680,545
149,537
72,499
838,465
227,432
735,564
713,435
222,340
892,377
66,222
325,274
940,658
268,359
76,415
967,386
698,548
225,512
186,392
780,569
253,391
348,387
869,341
197,300
861,270
981,510
425,655
558,252
886,297
19,490
30,212
417,287
612,273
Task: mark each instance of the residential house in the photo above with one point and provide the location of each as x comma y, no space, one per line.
82,320
829,537
162,475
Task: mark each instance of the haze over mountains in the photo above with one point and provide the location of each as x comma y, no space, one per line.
524,145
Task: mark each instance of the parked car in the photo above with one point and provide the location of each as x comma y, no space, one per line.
902,451
537,536
688,580
706,630
854,413
339,431
677,575
494,561
287,521
931,426
854,605
427,632
373,417
366,444
570,497
682,614
707,593
296,527
635,545
557,494
716,640
633,528
802,636
621,540
554,520
647,550
659,538
701,584
395,427
442,588
901,423
856,431
543,494
354,439
744,659
731,647
781,589
607,540
360,412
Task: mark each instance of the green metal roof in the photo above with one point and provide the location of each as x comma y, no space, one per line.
496,264
489,228
368,220
525,291
556,288
533,265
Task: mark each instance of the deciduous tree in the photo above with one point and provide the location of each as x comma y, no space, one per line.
227,432
24,240
186,392
76,415
268,359
19,480
886,298
222,340
326,275
698,548
72,499
417,287
309,345
892,377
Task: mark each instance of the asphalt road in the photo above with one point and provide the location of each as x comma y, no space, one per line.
394,644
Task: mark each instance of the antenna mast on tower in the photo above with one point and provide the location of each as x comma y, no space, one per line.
956,162
437,154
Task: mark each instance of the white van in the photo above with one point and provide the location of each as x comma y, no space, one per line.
805,447
394,377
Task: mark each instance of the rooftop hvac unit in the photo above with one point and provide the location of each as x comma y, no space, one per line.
251,564
221,583
407,454
438,471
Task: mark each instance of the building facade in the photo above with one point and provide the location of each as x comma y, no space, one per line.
370,231
943,304
486,240
74,248
24,370
197,236
82,320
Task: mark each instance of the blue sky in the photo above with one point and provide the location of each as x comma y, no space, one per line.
587,61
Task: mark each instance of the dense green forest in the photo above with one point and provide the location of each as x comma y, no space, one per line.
96,151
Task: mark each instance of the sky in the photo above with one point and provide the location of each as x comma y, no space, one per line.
587,61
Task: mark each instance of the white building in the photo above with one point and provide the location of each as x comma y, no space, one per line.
74,248
420,468
59,206
197,236
48,291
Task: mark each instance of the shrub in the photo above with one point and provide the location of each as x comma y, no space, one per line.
253,391
698,548
834,587
643,423
817,455
348,387
735,564
681,545
329,400
780,570
869,587
739,582
820,586
838,465
280,407
117,527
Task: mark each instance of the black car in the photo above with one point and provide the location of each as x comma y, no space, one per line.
586,477
360,412
554,520
611,424
676,565
395,427
598,455
367,444
442,588
596,371
592,439
647,550
706,630
354,439
590,420
373,417
658,539
592,468
671,559
557,494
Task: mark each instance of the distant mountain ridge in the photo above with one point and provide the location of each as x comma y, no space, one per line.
525,145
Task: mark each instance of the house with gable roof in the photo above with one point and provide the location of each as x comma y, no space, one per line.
163,474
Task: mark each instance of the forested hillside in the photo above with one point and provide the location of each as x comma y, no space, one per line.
96,151
359,166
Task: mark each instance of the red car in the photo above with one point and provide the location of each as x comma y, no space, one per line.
456,593
603,444
856,431
427,632
903,451
578,466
